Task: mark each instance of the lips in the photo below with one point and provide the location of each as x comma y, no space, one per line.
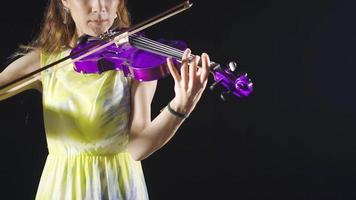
99,21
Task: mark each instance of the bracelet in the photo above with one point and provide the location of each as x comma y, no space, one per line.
175,113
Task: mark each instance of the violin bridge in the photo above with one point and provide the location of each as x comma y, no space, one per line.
121,39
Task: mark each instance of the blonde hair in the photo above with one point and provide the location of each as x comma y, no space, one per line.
55,35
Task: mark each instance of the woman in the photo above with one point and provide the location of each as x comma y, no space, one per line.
98,127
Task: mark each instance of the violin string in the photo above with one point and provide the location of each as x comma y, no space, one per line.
161,45
177,53
156,46
166,50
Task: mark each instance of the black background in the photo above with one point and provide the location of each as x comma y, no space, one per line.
294,138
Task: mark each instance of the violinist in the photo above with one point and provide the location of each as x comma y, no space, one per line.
98,126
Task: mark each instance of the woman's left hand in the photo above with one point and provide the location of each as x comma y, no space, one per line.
190,83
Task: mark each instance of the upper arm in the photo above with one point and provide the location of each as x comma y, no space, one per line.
141,98
19,68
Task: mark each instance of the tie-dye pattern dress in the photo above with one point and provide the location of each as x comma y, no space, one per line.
86,123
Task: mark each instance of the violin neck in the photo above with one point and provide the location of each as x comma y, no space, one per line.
163,49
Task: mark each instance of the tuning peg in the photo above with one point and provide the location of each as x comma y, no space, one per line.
232,66
225,96
213,86
214,66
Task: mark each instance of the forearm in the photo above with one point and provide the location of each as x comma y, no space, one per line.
147,136
28,84
154,135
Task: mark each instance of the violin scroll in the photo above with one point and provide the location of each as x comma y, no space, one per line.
237,84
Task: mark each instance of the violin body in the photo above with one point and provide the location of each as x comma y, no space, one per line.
140,64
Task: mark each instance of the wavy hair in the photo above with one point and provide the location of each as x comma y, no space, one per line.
56,36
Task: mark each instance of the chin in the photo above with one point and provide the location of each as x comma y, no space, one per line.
96,31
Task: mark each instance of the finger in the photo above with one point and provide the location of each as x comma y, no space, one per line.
195,61
192,71
197,68
205,67
173,70
184,68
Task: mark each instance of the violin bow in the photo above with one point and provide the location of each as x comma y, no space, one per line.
118,38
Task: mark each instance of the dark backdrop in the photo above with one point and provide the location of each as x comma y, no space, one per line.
294,138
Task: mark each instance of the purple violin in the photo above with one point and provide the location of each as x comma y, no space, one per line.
145,60
138,57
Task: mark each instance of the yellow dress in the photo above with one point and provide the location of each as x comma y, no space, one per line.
86,123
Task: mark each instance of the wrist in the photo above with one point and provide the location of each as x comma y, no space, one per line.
177,110
178,107
175,113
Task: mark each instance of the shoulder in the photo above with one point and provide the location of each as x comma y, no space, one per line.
46,58
28,62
